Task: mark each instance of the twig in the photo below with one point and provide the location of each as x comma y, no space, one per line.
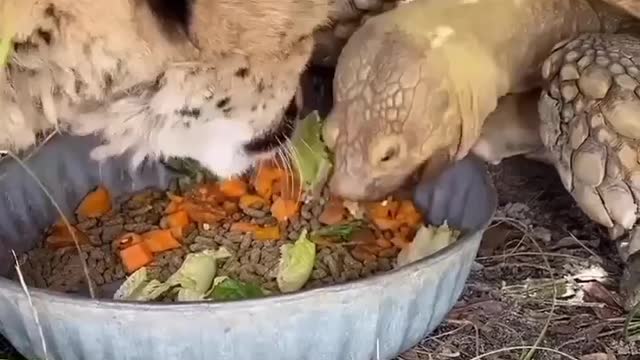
584,338
553,306
528,253
33,308
583,245
503,350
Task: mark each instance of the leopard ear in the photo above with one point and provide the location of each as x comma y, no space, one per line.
174,16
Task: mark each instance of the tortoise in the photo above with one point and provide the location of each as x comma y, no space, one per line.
431,81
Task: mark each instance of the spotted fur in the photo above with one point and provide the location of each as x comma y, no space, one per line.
157,77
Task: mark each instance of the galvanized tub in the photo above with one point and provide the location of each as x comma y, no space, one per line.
374,318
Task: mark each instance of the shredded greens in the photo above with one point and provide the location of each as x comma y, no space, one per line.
310,154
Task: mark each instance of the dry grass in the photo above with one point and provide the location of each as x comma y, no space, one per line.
34,311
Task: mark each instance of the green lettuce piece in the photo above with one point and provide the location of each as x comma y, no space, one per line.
310,154
296,263
225,289
195,276
138,287
428,240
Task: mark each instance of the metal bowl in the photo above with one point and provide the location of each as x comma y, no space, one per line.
374,318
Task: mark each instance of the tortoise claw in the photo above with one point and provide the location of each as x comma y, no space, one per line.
589,110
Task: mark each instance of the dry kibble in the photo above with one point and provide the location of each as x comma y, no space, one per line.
337,260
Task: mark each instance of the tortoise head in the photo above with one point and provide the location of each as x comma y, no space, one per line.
393,112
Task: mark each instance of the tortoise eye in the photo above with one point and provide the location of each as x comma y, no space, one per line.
389,154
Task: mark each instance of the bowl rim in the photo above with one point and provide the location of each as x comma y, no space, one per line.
54,297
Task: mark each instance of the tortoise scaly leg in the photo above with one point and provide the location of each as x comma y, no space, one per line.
590,123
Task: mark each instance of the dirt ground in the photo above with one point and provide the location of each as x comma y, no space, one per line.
539,237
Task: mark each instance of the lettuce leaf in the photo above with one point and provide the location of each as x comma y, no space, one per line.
226,289
195,275
296,263
138,287
428,240
310,154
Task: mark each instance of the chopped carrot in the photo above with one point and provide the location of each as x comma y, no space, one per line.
363,236
388,253
384,243
127,240
332,214
208,192
177,232
135,256
284,210
251,201
204,213
386,223
406,231
267,233
175,204
179,218
230,207
408,214
244,227
362,254
265,179
277,188
233,188
160,240
382,209
372,248
95,204
400,242
61,236
288,187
